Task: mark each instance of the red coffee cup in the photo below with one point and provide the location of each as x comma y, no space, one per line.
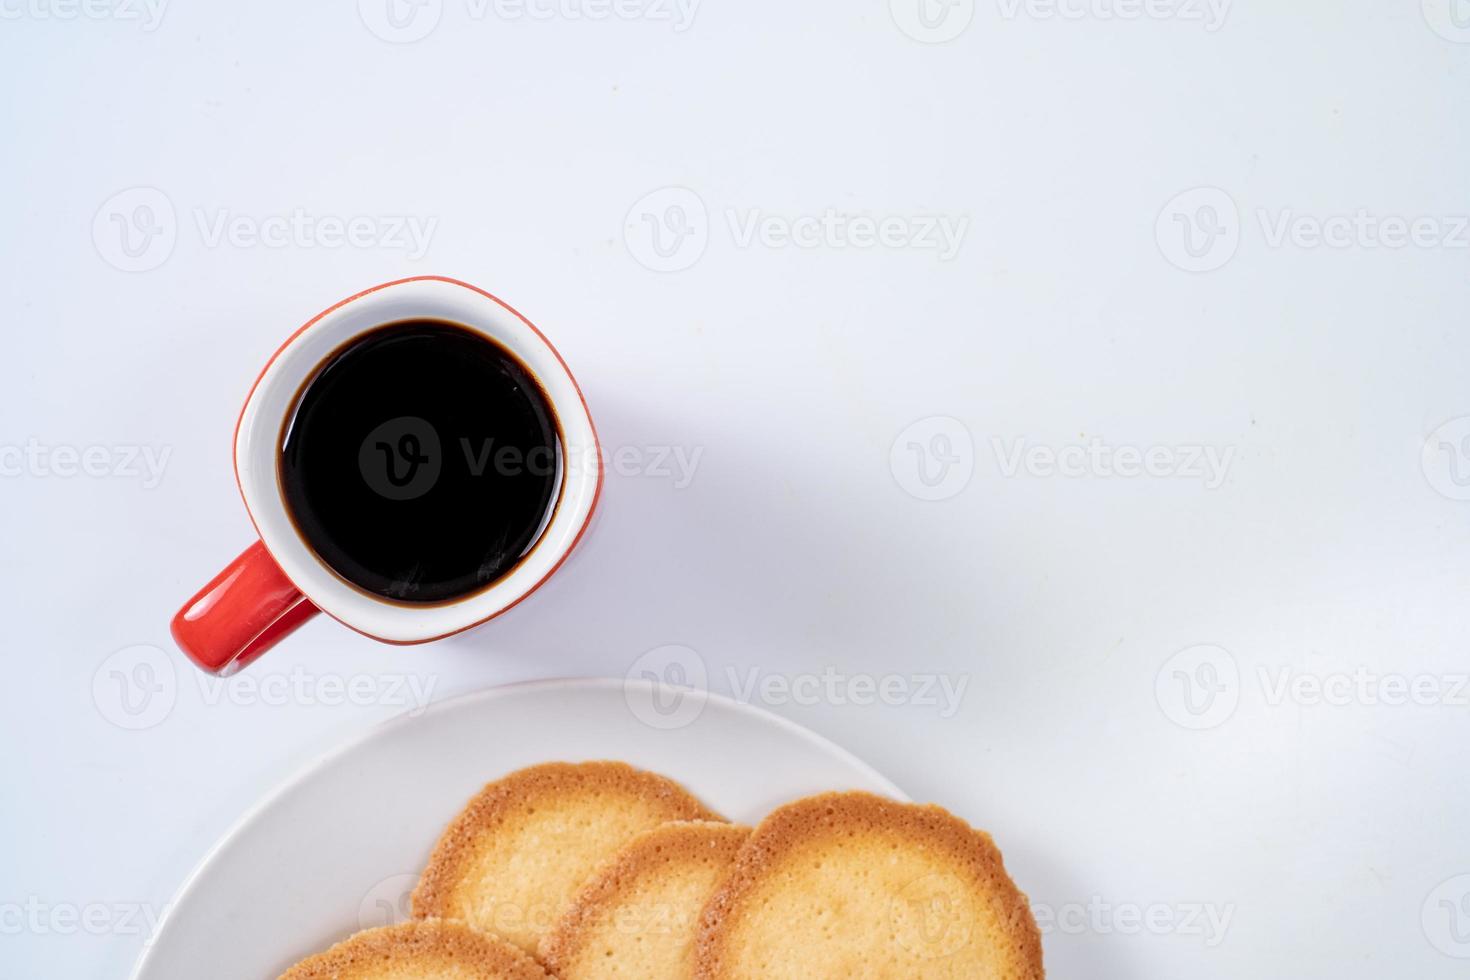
280,581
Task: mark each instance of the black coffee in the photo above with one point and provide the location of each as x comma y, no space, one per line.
422,461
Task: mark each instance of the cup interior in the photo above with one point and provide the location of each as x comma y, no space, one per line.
258,461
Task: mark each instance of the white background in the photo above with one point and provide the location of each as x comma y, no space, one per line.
1331,835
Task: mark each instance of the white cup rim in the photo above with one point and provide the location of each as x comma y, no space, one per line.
273,397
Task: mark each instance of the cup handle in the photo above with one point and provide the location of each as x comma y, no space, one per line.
243,612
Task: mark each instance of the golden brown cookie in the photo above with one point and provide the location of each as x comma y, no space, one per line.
426,950
516,856
638,916
853,885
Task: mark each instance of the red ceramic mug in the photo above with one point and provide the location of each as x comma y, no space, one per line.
279,582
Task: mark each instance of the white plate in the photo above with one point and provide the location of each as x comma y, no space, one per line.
338,848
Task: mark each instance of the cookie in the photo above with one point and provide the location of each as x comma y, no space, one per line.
638,916
426,950
514,859
853,885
